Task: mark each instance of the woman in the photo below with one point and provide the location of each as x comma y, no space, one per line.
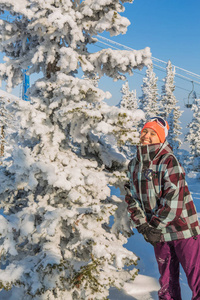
161,208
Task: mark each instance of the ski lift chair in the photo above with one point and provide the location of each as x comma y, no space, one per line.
189,104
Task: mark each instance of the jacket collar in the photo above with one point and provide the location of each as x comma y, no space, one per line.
147,153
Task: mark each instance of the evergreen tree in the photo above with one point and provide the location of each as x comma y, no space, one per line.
56,240
193,136
129,98
129,102
174,129
169,109
167,96
149,98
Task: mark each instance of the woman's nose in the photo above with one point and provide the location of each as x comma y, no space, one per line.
147,134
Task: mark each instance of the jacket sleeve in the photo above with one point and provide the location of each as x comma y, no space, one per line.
134,205
173,189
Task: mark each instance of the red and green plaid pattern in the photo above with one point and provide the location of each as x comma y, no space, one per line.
159,193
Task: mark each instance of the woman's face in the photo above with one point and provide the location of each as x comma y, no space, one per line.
149,136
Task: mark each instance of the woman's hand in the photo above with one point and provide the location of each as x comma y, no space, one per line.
151,234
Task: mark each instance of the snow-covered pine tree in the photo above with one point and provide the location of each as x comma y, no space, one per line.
149,98
129,102
167,95
169,109
55,235
129,98
193,136
174,128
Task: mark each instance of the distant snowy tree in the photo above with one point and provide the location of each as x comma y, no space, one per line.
169,109
56,241
129,102
193,136
149,98
174,129
129,98
167,96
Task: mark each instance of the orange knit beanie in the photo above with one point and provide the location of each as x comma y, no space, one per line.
162,131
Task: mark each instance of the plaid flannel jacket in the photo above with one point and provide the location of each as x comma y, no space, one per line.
159,193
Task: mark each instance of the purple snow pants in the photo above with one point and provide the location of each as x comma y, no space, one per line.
168,256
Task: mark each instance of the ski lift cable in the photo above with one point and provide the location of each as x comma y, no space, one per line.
181,88
132,49
108,45
188,79
119,49
153,58
112,42
158,67
128,48
181,69
177,75
162,69
142,74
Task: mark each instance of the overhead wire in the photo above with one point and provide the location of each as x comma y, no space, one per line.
153,58
142,74
158,67
109,42
176,74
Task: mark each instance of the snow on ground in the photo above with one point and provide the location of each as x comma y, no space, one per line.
143,288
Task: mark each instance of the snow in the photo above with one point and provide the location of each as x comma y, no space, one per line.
145,284
143,288
11,273
56,240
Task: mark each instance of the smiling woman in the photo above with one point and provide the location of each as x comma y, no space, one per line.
162,210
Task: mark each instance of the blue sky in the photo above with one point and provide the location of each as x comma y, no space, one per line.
171,28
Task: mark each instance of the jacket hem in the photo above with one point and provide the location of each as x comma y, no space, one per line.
179,235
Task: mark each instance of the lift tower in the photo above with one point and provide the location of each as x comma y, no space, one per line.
26,85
